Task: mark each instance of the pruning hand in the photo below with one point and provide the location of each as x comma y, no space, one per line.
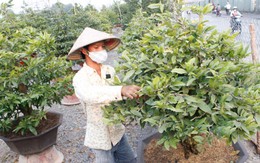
130,91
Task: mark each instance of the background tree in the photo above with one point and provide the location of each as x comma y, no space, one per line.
63,22
125,11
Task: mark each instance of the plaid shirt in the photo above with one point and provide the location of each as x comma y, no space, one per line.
94,92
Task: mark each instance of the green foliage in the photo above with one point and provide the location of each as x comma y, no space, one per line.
66,22
132,34
4,8
32,78
30,122
63,22
125,11
193,78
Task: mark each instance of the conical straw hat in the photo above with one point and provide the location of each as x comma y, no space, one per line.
89,36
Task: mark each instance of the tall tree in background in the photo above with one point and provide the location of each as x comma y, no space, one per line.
128,9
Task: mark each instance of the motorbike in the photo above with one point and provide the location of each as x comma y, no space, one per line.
218,13
235,23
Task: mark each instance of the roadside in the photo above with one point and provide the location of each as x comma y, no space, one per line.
222,24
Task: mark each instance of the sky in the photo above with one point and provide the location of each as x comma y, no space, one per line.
39,4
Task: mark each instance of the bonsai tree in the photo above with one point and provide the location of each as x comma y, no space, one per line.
32,78
194,81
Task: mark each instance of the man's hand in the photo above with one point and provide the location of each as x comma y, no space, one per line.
130,91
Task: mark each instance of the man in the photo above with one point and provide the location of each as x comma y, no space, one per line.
235,16
218,9
228,7
235,13
93,86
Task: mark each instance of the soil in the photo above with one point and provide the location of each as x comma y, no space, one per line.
45,124
217,152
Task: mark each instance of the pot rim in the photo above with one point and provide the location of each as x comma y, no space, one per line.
46,131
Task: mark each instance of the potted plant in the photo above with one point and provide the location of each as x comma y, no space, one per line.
32,78
194,81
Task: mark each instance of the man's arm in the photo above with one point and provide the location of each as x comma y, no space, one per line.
102,94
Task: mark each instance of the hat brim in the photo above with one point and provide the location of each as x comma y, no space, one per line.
90,36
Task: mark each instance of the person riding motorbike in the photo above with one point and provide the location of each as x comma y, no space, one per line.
235,18
235,14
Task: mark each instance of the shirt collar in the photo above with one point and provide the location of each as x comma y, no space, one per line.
90,70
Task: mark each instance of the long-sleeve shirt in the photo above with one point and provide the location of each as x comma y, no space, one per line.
95,91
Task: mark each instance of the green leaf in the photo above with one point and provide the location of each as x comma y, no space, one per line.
155,81
116,80
190,81
173,59
167,145
152,120
192,110
214,117
207,9
200,122
33,130
154,6
213,98
162,8
194,132
175,109
178,84
174,142
164,127
198,139
209,28
128,75
135,112
150,102
161,141
245,128
257,118
125,57
191,99
179,71
204,107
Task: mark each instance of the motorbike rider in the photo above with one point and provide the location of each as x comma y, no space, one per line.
235,16
214,8
218,9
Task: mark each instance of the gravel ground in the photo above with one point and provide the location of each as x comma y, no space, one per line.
71,137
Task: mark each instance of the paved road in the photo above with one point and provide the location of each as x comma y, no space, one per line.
222,24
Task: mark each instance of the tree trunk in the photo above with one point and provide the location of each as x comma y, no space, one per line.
189,146
258,142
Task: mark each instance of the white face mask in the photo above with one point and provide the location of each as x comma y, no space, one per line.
99,57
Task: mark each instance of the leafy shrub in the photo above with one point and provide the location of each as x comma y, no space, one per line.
32,78
194,81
